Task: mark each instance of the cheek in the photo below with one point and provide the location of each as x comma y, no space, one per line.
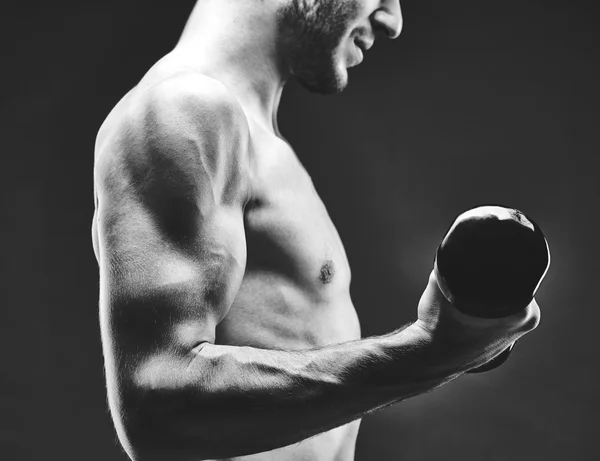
339,17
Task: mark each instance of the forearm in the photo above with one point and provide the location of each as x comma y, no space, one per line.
233,401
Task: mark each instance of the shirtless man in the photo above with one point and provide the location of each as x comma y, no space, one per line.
227,325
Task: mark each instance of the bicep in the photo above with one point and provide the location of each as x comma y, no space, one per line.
158,300
158,294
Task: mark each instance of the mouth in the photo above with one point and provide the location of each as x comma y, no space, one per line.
358,53
361,45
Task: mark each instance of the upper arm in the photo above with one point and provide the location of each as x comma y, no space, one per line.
171,178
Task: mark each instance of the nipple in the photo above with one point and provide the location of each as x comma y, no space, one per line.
327,272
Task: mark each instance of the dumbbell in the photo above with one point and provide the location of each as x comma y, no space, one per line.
490,264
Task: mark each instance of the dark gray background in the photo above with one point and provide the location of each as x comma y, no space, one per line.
477,102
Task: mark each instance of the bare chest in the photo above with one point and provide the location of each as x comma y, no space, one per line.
295,292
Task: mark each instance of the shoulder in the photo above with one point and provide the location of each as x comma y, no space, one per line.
191,97
190,107
185,129
178,102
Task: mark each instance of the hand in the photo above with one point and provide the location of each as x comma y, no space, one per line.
465,341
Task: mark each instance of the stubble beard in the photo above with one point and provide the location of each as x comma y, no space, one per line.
312,32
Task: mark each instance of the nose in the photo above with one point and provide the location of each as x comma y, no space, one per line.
388,18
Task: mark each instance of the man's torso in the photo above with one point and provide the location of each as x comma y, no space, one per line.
295,291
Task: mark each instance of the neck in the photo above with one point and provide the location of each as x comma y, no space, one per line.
235,42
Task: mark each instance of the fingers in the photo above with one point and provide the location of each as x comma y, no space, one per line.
530,317
442,318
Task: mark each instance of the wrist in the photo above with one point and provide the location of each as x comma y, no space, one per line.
453,355
419,360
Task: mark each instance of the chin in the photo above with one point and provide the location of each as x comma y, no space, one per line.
314,40
331,87
331,79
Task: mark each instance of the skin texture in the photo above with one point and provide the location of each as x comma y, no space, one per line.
227,325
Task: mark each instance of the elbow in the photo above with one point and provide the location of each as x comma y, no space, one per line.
160,449
151,435
162,412
156,425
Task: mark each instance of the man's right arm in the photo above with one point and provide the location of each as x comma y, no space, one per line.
172,184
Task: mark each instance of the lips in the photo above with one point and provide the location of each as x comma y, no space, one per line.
363,43
359,53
